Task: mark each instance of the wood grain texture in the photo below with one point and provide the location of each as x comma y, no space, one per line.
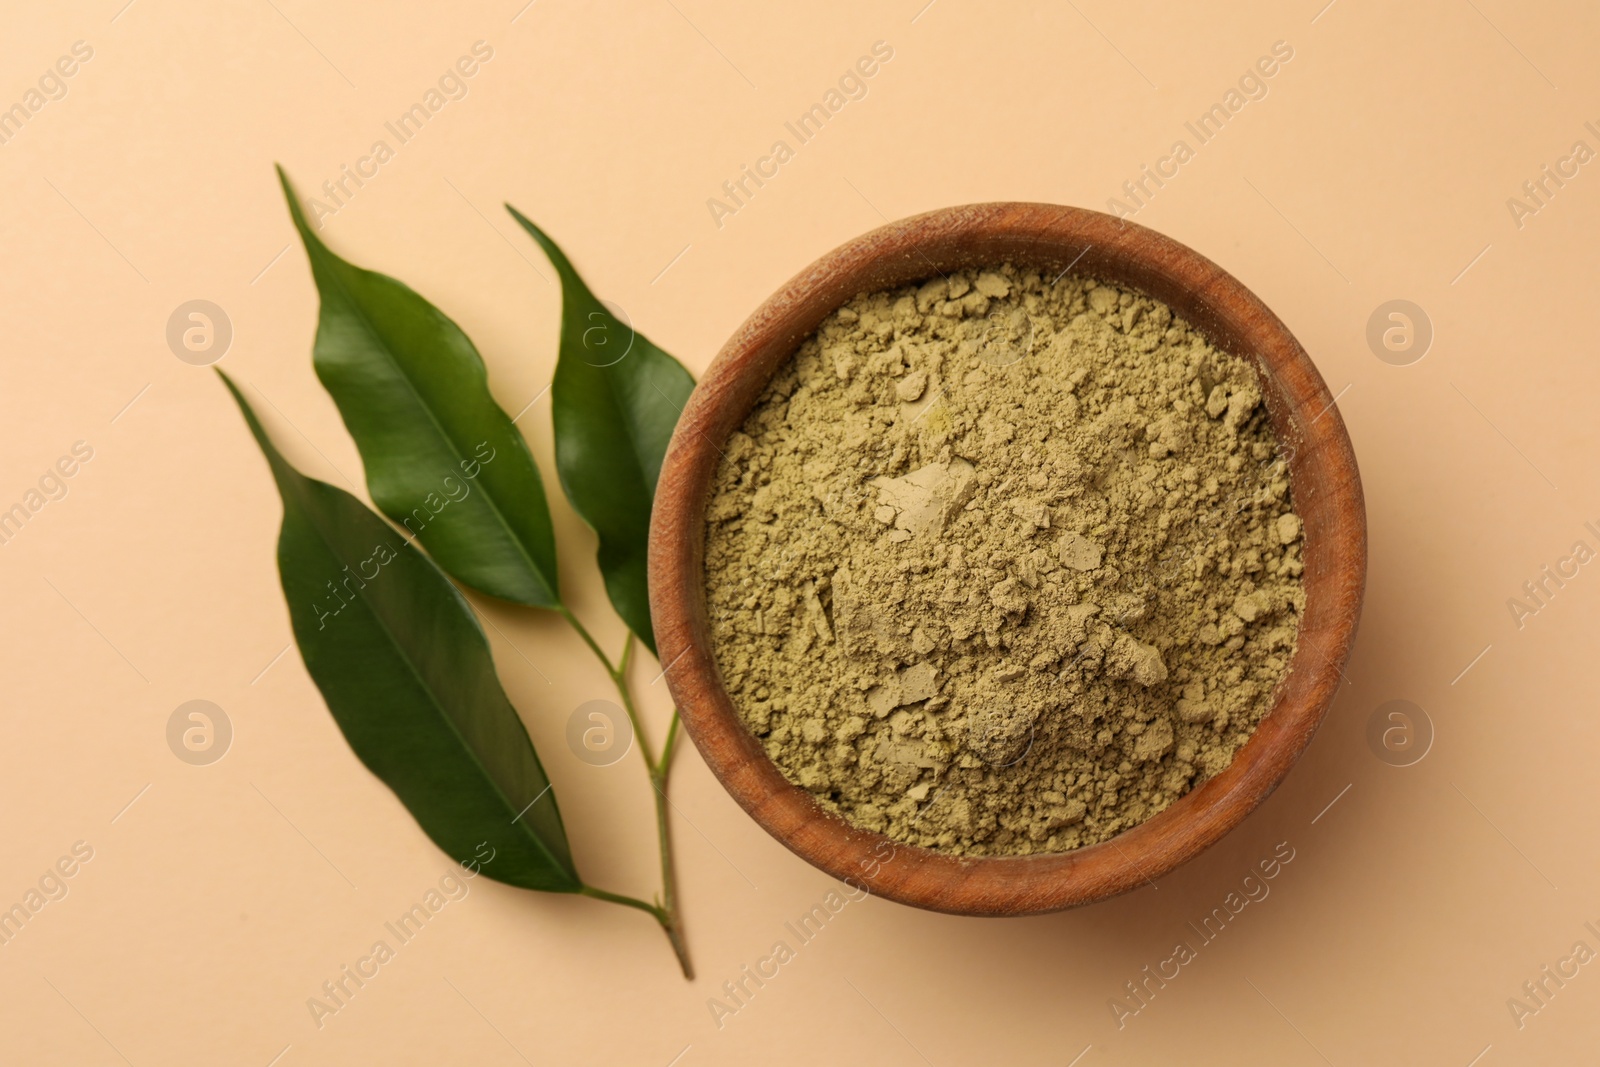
1327,496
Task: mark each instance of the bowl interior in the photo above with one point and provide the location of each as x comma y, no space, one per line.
1324,482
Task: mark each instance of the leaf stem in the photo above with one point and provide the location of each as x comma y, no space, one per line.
619,677
665,763
625,901
666,913
572,620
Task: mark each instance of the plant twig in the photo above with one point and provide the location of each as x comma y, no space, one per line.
669,888
666,913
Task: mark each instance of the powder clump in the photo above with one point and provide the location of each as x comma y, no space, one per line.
999,566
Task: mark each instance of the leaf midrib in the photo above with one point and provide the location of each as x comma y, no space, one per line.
450,442
575,292
434,699
618,408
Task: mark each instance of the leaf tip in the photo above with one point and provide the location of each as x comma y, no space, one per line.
259,432
295,211
551,250
232,388
527,224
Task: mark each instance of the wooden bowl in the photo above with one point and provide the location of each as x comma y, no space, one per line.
1326,491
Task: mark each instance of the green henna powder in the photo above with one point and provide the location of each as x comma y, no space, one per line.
999,566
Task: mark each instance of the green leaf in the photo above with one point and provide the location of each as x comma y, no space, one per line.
406,671
615,399
442,458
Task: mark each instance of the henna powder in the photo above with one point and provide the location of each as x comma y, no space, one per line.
999,565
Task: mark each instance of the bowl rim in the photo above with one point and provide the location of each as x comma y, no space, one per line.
1326,489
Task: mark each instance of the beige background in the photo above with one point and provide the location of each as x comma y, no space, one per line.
220,897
